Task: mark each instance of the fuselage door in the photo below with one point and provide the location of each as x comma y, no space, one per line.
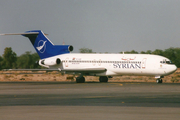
66,62
144,63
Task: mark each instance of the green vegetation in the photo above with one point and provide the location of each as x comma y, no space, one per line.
28,60
85,50
9,60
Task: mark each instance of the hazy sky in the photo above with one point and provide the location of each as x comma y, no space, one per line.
101,25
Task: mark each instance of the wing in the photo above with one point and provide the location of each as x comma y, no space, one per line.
85,70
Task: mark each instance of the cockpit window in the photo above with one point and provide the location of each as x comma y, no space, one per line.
166,62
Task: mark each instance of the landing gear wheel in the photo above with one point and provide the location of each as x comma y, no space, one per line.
103,79
80,80
159,80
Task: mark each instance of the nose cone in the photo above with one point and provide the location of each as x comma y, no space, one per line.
173,69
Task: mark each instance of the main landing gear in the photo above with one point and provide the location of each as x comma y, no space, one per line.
81,79
103,79
159,80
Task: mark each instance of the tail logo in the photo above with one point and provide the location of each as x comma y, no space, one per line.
41,46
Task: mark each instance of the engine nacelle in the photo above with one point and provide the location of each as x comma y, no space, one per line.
50,62
70,48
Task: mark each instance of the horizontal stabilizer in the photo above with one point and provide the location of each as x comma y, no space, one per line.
31,33
30,70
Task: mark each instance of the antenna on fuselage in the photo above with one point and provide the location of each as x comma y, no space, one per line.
63,42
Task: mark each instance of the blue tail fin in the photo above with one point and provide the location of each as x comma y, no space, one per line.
44,47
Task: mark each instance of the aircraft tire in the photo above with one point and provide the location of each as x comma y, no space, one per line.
158,80
161,81
103,79
80,80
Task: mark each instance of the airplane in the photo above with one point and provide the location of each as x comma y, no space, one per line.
60,58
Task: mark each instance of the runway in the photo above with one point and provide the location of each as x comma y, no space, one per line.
87,101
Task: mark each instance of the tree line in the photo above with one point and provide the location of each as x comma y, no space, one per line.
28,60
10,60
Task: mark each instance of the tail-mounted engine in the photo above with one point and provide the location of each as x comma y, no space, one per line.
49,62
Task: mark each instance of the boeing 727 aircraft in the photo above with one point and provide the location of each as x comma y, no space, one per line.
58,57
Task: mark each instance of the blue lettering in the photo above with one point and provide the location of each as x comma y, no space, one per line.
131,66
119,65
127,66
123,65
115,65
138,66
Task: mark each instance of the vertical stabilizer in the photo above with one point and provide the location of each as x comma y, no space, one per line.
44,47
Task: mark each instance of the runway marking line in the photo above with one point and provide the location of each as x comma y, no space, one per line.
132,83
148,97
117,84
98,97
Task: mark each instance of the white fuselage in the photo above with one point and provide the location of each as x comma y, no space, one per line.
116,64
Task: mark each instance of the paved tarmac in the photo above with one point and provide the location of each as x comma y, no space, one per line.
87,101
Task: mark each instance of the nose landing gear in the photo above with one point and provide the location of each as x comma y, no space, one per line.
159,80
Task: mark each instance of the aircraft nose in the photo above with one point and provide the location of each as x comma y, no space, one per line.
171,69
174,68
